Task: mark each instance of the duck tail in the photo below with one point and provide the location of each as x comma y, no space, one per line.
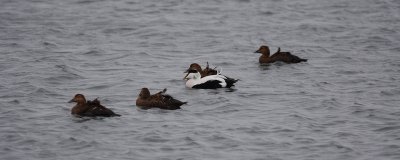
230,82
279,50
116,115
208,67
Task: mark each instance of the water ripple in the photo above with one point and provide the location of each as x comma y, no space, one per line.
341,104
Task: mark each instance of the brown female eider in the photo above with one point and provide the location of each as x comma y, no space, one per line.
158,100
286,57
90,108
203,72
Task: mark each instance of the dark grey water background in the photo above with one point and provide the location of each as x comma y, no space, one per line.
342,104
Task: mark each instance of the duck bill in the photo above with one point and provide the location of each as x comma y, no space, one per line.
257,51
187,71
185,78
72,100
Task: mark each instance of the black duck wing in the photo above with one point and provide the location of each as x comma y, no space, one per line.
290,58
99,110
211,84
164,102
172,103
230,81
287,57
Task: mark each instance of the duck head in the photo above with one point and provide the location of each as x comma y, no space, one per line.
263,50
78,98
192,74
195,66
144,93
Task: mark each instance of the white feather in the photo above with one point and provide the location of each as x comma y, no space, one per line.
219,71
195,79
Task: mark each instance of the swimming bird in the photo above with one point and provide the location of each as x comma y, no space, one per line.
158,100
90,108
286,57
203,72
194,80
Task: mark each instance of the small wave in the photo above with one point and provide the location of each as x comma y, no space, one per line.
92,53
43,92
282,130
68,73
344,134
363,111
88,1
225,109
251,95
243,1
99,87
392,92
119,30
300,118
61,79
117,57
308,27
218,65
334,146
49,44
154,139
77,144
349,72
254,130
191,142
332,103
390,128
222,141
176,81
267,13
305,140
145,54
14,102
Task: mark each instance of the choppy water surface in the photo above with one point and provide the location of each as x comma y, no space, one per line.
342,104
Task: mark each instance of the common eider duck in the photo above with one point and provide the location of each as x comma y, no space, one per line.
286,57
203,72
194,80
158,100
90,108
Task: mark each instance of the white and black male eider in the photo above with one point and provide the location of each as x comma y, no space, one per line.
194,80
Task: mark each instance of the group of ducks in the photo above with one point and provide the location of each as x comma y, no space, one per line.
196,77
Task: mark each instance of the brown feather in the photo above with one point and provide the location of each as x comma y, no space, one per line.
158,100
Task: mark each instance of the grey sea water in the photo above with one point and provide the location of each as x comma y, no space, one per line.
341,104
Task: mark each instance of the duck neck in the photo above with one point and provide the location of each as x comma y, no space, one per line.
266,53
197,76
81,102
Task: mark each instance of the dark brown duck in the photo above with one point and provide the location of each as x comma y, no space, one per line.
286,57
90,108
159,100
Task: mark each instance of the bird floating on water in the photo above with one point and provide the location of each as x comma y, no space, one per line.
90,108
286,57
159,100
194,80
